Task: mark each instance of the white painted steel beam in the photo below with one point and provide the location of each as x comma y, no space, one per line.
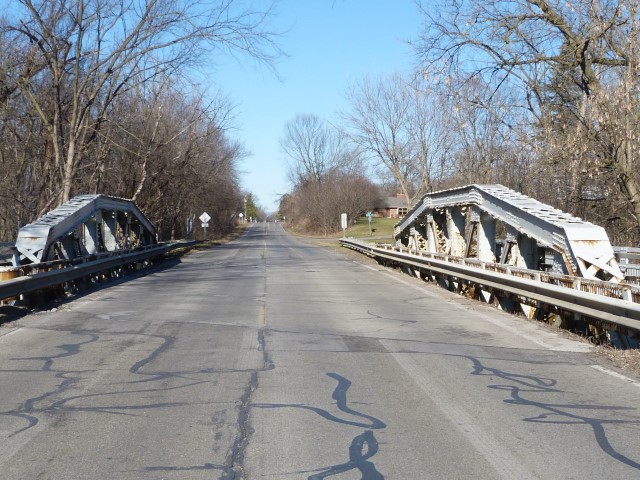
583,247
73,221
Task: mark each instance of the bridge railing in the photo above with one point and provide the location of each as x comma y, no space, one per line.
616,305
629,261
48,275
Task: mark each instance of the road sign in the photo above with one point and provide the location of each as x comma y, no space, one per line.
205,217
205,225
343,221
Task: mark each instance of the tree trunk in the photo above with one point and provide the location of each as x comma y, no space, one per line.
69,170
628,182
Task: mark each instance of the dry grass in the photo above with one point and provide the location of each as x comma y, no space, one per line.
628,360
381,230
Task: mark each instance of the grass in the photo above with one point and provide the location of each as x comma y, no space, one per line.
381,229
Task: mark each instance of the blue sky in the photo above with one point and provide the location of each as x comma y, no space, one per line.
330,43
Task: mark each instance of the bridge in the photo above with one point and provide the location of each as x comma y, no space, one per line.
89,239
498,246
495,224
82,227
485,241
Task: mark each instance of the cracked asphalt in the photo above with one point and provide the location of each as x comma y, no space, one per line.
270,357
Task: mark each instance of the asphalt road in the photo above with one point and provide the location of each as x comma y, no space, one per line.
271,358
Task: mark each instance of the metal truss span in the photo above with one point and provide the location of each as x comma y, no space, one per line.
85,225
495,224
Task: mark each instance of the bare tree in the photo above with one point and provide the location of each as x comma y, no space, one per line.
79,56
327,176
429,128
172,153
312,147
316,208
378,123
579,50
479,123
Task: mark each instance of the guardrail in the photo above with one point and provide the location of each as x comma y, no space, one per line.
612,303
51,274
629,261
627,253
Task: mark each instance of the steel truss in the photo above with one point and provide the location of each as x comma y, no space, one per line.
494,224
84,226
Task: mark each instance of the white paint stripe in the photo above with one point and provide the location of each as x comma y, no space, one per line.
5,335
493,451
617,375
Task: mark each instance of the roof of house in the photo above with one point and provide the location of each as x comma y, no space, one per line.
393,202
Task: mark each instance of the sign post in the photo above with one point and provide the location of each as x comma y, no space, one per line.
190,225
369,215
204,218
343,224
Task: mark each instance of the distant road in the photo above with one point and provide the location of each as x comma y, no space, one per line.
273,358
